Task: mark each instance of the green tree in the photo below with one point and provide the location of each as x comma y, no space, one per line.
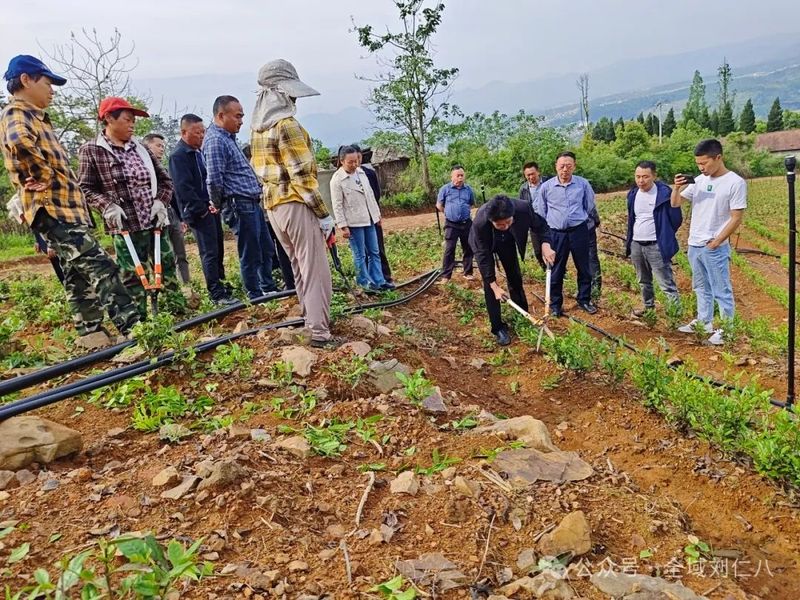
620,124
669,123
747,120
633,142
696,106
775,117
791,119
412,95
603,130
724,79
703,118
713,122
726,123
640,118
322,154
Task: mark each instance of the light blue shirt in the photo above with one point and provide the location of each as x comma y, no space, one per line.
457,201
565,205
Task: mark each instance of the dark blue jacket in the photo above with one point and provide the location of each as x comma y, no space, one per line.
667,219
188,174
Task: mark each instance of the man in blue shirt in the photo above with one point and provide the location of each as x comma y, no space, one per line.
455,200
234,187
566,202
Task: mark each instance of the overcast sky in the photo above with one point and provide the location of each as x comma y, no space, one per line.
509,40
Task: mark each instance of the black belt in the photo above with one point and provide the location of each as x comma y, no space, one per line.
568,229
247,198
649,243
457,222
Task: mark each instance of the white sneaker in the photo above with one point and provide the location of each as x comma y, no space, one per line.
689,327
716,339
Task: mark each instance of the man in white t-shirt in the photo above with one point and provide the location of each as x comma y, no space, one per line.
718,198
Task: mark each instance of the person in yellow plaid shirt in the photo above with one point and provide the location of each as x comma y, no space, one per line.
284,160
52,202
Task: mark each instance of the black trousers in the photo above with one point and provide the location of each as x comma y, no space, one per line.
387,271
536,242
210,244
506,252
453,233
574,241
594,264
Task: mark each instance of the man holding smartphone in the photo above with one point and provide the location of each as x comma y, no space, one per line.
718,198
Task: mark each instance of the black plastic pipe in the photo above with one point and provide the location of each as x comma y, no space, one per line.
22,382
790,163
103,379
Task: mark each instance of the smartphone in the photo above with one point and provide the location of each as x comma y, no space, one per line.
688,178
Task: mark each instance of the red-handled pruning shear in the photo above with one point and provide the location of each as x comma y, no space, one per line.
151,289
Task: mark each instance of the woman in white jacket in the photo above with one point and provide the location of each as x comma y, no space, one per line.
356,213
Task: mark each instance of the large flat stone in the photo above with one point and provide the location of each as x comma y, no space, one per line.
525,466
621,585
573,535
382,374
525,429
24,440
301,359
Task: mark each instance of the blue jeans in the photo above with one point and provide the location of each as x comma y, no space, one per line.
711,281
255,247
363,242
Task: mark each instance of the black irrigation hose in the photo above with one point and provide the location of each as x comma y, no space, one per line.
635,350
17,384
103,379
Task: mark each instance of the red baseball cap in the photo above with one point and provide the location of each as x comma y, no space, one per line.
113,103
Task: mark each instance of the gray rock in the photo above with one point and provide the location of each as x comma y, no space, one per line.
432,570
547,585
260,435
524,467
525,429
467,487
526,560
24,477
382,374
359,348
50,485
184,487
295,445
298,336
166,477
405,483
7,479
621,585
434,404
24,440
300,358
172,432
93,341
573,535
368,326
224,473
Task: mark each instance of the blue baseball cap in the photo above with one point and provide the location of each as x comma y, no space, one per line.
24,63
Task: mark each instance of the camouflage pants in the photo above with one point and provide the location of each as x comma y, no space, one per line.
144,244
91,279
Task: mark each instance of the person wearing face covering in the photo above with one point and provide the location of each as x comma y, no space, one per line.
283,159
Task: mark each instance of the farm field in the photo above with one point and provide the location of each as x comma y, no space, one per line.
322,474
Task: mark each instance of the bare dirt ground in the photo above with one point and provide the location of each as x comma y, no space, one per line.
281,529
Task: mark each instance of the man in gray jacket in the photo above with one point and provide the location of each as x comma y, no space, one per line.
528,193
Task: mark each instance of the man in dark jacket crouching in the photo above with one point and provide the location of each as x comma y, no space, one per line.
500,228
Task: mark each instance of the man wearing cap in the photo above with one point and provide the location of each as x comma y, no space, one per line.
129,187
236,191
52,202
284,160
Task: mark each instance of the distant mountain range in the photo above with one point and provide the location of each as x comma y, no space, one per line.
763,69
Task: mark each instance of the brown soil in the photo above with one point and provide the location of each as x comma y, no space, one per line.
653,486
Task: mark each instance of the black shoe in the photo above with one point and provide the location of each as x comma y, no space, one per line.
502,337
388,286
226,301
557,312
588,307
330,344
371,290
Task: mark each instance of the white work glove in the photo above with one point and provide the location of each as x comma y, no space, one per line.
159,214
326,225
14,208
114,215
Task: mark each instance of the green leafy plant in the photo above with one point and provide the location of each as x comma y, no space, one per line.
395,589
440,463
120,395
350,369
415,386
166,405
365,428
574,350
464,423
696,550
281,373
232,358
